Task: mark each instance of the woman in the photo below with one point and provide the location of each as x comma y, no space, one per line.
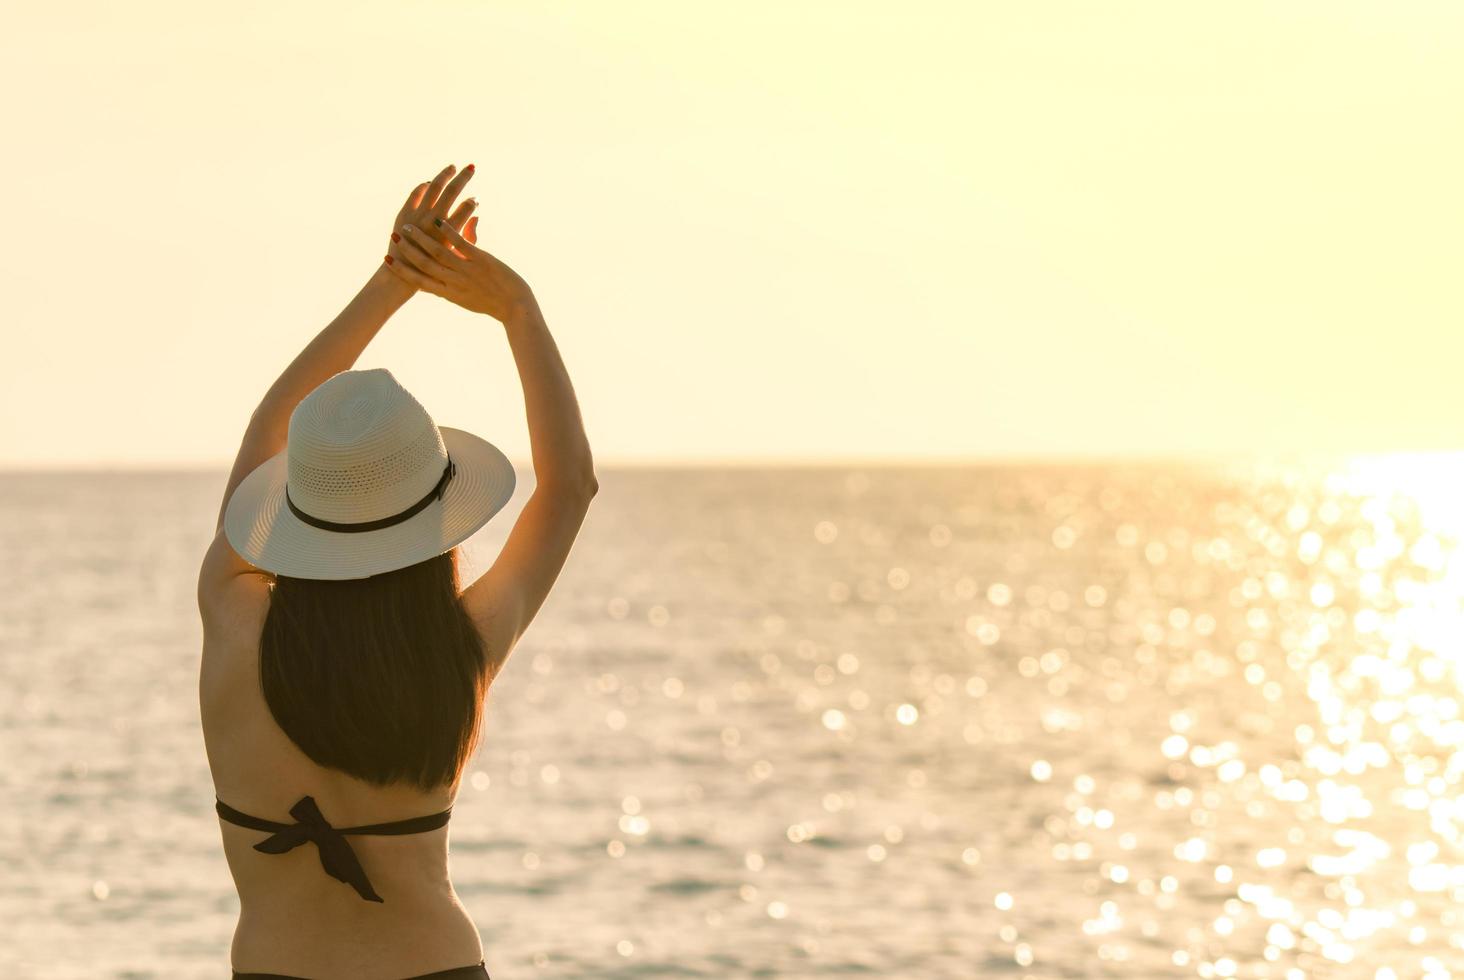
344,669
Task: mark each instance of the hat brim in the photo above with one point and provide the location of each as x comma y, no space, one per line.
267,534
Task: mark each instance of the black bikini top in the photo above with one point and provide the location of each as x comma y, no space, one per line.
336,856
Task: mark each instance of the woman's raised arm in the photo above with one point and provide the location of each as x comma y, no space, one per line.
505,599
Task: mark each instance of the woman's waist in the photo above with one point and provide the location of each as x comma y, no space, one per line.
405,935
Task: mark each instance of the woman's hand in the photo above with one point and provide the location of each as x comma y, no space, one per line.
460,272
430,202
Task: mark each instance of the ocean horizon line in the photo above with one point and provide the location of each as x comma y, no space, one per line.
831,461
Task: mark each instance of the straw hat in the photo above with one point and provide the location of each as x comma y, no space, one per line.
367,483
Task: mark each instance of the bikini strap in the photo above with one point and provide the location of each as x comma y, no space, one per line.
336,855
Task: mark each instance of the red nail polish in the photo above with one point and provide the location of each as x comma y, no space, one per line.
395,237
389,260
468,167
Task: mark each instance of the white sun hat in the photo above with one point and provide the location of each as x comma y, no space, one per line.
367,483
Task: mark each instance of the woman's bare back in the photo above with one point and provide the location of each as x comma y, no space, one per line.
294,918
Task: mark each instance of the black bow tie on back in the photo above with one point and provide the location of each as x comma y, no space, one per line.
336,855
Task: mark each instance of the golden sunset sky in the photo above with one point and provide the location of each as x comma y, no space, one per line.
766,231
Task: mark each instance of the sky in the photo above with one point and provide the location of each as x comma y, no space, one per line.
762,232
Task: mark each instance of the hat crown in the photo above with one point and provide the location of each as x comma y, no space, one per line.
361,448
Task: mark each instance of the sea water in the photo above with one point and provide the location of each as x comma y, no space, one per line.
1134,720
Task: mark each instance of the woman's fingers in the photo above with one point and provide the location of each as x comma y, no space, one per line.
463,212
408,274
413,254
407,252
470,232
450,193
455,238
434,250
461,217
423,257
411,257
392,265
434,189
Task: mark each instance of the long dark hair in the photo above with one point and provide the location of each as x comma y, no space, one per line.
382,678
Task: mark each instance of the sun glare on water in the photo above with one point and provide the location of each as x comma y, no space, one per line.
1382,653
